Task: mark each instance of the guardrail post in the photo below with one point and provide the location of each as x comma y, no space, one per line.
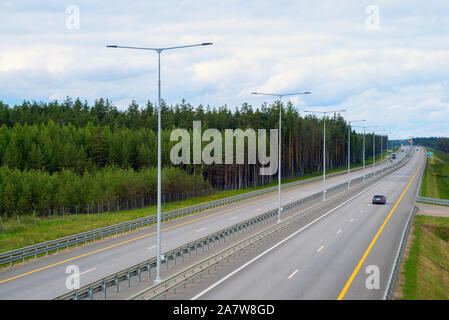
116,284
104,288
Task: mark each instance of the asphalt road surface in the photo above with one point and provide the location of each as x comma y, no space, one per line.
46,277
333,258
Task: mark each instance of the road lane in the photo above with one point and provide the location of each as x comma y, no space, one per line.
323,273
45,278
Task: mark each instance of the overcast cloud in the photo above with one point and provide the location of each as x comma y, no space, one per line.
393,74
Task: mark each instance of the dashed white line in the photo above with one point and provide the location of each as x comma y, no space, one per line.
199,230
320,248
338,232
352,219
279,243
294,272
361,211
152,247
233,218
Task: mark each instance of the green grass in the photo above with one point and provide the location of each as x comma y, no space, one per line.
426,269
43,229
436,176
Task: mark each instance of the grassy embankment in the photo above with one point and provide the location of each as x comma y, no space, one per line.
426,269
435,182
20,231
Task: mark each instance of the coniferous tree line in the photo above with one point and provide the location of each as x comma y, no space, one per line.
80,157
440,143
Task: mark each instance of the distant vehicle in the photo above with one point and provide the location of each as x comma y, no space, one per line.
402,149
379,199
393,156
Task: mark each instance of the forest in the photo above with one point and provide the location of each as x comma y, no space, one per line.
440,143
74,157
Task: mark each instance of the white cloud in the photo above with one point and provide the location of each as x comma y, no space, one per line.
394,76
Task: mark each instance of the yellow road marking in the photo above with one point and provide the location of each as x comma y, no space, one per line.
359,265
144,236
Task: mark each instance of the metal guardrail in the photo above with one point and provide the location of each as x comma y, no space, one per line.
391,284
441,202
33,251
172,255
101,285
394,274
191,272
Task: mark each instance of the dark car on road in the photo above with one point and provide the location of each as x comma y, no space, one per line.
379,199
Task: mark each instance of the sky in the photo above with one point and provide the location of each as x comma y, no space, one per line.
383,61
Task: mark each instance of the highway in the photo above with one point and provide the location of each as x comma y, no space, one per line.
45,278
331,258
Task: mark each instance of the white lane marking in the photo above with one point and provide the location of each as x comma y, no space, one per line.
361,211
233,218
294,272
258,209
199,230
320,248
81,273
281,242
338,232
352,219
152,247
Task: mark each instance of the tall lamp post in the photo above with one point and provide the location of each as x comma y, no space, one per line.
159,50
324,146
374,146
280,95
349,149
364,175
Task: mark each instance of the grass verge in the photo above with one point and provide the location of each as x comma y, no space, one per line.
436,176
426,269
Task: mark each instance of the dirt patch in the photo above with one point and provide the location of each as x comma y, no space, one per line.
432,210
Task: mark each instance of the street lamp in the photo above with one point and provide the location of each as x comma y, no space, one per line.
279,142
349,148
324,146
374,147
381,145
364,148
159,50
411,146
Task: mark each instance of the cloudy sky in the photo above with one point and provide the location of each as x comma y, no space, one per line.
384,61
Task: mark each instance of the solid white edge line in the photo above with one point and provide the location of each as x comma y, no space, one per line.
320,248
281,242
